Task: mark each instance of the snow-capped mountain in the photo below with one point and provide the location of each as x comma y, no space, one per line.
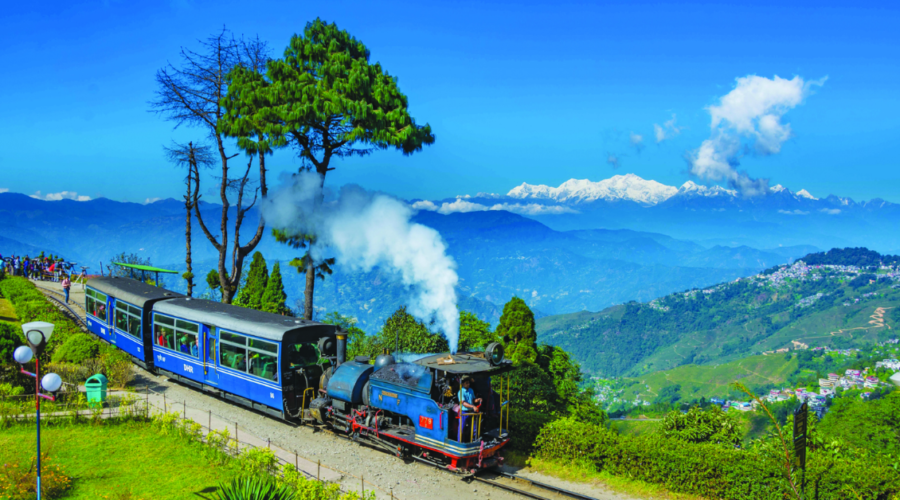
631,187
805,194
690,188
620,187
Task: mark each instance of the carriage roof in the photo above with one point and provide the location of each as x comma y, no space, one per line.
243,320
131,291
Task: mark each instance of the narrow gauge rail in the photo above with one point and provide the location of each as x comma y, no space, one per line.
506,481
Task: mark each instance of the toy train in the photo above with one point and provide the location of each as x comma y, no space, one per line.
296,370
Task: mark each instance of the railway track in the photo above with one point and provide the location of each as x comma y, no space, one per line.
510,483
527,488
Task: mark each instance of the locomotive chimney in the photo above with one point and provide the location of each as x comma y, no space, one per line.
341,346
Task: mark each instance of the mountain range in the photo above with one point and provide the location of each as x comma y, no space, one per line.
498,253
709,215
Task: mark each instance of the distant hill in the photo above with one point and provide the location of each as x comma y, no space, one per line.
498,254
807,304
860,257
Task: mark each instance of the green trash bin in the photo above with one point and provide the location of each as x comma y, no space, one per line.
95,387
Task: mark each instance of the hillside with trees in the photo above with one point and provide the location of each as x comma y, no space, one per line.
839,304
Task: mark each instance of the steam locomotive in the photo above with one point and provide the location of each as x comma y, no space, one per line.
296,370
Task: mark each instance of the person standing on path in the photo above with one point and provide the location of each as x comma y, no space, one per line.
66,285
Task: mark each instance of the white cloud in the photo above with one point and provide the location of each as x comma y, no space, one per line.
793,212
750,116
534,294
462,206
668,130
830,211
424,205
4,190
151,200
62,195
612,160
637,141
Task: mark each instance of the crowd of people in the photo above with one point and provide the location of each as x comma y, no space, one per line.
41,268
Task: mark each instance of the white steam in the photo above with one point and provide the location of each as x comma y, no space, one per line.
365,231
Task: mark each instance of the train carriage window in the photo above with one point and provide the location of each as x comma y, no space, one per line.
95,303
177,335
128,319
233,356
254,356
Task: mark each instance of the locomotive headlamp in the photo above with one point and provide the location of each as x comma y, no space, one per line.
494,353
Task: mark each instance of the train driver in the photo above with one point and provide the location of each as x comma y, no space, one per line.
468,403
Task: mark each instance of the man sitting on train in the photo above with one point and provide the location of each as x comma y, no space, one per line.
468,403
161,339
195,348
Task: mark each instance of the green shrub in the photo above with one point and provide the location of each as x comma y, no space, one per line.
77,349
526,425
716,471
253,488
568,439
10,338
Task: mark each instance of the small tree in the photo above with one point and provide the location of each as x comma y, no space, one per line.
411,334
516,328
474,334
302,265
213,281
274,297
251,294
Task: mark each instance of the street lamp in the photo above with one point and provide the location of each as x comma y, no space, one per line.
37,334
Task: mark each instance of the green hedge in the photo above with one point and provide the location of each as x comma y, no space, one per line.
712,470
31,305
526,425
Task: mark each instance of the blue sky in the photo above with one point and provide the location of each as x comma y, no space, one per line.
536,92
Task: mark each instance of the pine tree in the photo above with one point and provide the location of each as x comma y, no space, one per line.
251,294
516,328
274,297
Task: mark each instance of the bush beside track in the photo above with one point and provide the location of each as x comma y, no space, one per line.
718,471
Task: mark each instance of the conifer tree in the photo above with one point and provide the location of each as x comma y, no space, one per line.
274,297
516,328
251,295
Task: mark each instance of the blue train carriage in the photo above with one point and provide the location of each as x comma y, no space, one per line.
413,408
118,311
264,361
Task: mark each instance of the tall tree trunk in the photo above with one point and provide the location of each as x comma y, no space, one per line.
310,288
187,238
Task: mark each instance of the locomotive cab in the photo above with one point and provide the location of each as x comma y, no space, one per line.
413,408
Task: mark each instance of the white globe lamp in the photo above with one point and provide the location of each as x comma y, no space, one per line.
51,382
23,354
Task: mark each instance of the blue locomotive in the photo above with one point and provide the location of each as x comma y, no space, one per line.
296,370
413,408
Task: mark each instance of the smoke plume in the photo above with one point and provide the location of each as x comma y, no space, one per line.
365,230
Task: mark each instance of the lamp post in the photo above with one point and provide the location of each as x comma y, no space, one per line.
37,334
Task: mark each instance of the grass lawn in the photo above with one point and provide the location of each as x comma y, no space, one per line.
7,311
634,427
119,461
